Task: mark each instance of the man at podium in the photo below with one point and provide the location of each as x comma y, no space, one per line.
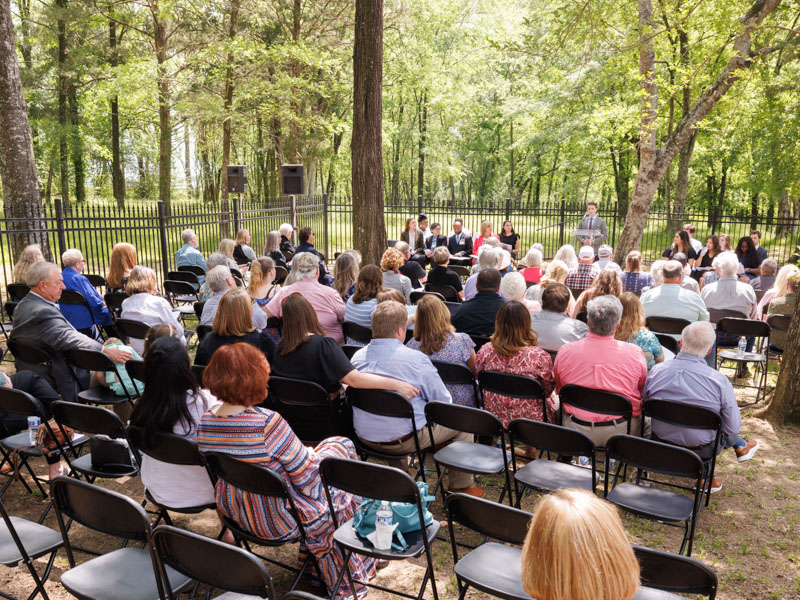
592,230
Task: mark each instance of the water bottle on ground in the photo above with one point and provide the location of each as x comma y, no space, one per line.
33,424
383,527
740,350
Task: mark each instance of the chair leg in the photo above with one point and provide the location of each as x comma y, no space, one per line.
429,556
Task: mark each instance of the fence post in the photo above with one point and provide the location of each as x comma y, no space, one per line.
162,234
419,204
614,224
236,200
714,218
561,225
62,239
325,223
508,211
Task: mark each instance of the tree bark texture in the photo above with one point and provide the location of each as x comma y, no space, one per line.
17,165
117,172
76,143
63,111
161,42
785,404
187,160
224,226
369,229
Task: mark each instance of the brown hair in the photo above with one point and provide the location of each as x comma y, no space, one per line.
234,316
368,284
299,320
345,273
142,279
632,321
633,262
387,294
158,331
392,259
441,256
432,324
408,223
512,329
123,258
237,374
607,283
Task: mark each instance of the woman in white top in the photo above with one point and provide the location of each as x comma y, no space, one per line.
144,305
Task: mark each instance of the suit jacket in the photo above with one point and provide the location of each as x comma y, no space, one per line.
599,226
440,241
763,283
762,254
464,248
477,316
417,244
39,323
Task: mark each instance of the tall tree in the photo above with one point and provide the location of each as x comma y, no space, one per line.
117,171
785,404
227,124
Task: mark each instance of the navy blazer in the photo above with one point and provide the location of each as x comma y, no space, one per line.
462,248
476,316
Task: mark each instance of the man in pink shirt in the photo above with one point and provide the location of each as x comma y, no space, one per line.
326,301
600,362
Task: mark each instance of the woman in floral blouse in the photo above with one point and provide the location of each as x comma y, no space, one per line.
632,330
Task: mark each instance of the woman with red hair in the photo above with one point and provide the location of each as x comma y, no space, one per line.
238,374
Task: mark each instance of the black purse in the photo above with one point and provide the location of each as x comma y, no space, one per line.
110,455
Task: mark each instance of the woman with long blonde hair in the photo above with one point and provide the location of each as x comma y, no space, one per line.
243,254
555,272
632,330
262,281
226,247
778,289
31,255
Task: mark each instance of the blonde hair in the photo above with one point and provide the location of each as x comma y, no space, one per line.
241,236
633,317
432,324
226,247
571,529
142,280
485,224
392,260
234,316
782,280
259,269
556,271
31,255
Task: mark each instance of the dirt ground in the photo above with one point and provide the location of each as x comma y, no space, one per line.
748,534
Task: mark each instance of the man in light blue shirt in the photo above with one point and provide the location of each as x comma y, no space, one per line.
671,300
189,255
386,355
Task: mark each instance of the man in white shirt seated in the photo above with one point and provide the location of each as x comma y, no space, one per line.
671,300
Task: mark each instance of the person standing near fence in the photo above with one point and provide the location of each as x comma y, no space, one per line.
591,222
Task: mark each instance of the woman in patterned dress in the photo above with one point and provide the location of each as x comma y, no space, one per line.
632,330
238,375
436,337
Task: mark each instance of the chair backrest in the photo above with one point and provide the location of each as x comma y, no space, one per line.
454,374
73,298
20,403
132,329
166,447
779,322
369,480
27,353
510,384
669,342
91,360
17,291
212,562
530,284
417,295
245,476
657,457
198,309
381,402
681,414
86,418
452,307
298,392
675,573
196,269
463,418
135,369
357,332
198,373
760,294
488,518
448,292
281,273
9,308
597,401
576,292
179,288
203,331
582,316
717,314
480,340
237,273
97,280
666,324
459,270
114,301
186,276
349,350
551,438
743,327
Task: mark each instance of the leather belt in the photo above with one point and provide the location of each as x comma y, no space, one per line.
596,423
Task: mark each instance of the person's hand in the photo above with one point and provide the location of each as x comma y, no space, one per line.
118,354
408,390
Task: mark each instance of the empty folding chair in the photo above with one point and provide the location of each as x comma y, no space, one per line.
514,386
674,574
186,276
460,270
448,292
94,360
746,328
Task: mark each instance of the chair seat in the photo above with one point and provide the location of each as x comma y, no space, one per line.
186,510
36,539
472,458
20,440
657,503
83,465
550,476
124,574
101,395
346,536
748,356
646,593
185,299
237,596
495,569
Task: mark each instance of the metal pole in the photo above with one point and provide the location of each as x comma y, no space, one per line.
236,200
419,204
62,239
508,209
561,226
614,224
325,222
162,230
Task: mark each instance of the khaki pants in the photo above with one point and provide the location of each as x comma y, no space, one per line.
601,434
458,479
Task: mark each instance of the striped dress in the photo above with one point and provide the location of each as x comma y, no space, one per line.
263,437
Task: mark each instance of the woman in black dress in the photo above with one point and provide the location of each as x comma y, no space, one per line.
747,255
507,236
681,244
706,257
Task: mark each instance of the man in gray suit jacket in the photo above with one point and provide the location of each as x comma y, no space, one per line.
38,322
594,223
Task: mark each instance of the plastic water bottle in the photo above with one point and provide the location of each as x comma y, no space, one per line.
740,349
33,424
383,527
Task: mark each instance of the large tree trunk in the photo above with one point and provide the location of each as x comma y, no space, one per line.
117,171
785,404
423,138
369,229
63,111
161,42
224,225
187,160
17,165
76,143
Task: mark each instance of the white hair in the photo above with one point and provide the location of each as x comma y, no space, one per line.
728,264
539,247
304,266
657,272
187,235
39,272
491,243
216,259
217,278
512,286
603,315
567,254
286,229
491,258
698,338
71,257
533,258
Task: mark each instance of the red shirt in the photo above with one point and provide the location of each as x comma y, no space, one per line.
532,274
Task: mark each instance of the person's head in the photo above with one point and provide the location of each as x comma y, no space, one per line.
567,255
784,274
432,324
261,270
486,228
73,259
591,208
123,259
158,331
672,272
605,252
458,225
586,255
345,273
728,264
688,228
603,315
305,265
422,221
505,259
188,236
681,258
556,271
441,256
168,380
226,246
237,374
306,235
368,284
571,529
508,228
512,286
769,266
30,255
436,229
390,294
539,247
142,281
273,243
698,339
488,281
389,320
712,243
219,279
286,230
355,254
657,272
555,298
490,258
724,241
45,279
745,247
403,249
242,237
489,242
633,262
792,285
299,321
411,224
234,316
607,283
755,235
512,329
392,259
633,316
533,258
681,242
216,259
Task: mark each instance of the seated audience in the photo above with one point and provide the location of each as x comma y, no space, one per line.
158,331
688,282
391,261
690,380
120,265
490,258
533,266
762,253
262,285
272,247
553,326
632,330
434,241
422,222
386,355
306,237
681,243
748,257
226,246
215,260
143,303
286,232
238,374
633,280
604,255
607,283
233,323
706,256
671,300
345,273
486,233
30,255
566,254
415,240
188,254
728,293
766,279
326,301
778,289
79,316
124,384
603,363
784,306
510,238
441,275
411,268
513,349
459,242
657,273
512,287
697,245
360,305
39,323
435,337
582,277
571,529
411,309
242,253
220,281
556,272
477,316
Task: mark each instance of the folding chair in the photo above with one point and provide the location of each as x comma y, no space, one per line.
196,269
746,328
255,479
92,420
281,273
654,503
96,280
576,292
479,459
73,298
448,292
381,483
492,568
9,308
132,330
23,541
198,309
203,330
480,340
548,475
123,574
455,374
182,296
94,360
213,563
715,315
778,323
17,291
416,295
359,333
600,402
666,325
308,409
114,302
349,350
186,276
452,307
135,369
460,270
386,403
29,354
669,342
197,370
514,386
674,573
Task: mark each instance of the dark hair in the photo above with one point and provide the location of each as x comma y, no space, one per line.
237,374
488,280
512,329
686,245
434,226
368,284
756,232
751,248
168,381
503,227
304,234
714,240
299,320
555,297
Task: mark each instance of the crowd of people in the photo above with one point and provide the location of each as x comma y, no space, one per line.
576,319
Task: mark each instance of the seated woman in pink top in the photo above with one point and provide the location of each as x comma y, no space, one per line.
326,301
486,232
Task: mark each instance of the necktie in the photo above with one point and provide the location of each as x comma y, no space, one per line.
591,222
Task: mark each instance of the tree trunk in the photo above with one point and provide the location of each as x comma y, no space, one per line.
187,159
117,171
76,143
161,42
17,165
63,112
224,225
369,229
423,140
685,155
785,404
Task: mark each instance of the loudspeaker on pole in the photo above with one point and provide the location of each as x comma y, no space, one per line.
292,180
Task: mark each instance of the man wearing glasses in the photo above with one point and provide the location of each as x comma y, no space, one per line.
77,315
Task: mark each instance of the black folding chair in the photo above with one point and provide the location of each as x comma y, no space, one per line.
548,475
715,315
135,369
670,508
455,374
186,276
492,568
9,308
669,342
203,331
746,328
512,385
114,302
448,292
17,291
97,280
132,330
416,295
479,459
380,483
281,273
452,307
23,541
779,323
359,333
94,360
308,409
197,370
73,298
460,270
198,309
29,354
196,269
666,325
258,480
674,574
182,296
349,350
124,574
601,402
213,563
480,340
